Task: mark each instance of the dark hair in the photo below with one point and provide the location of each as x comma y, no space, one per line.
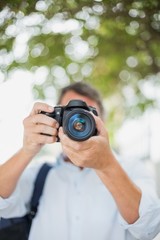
86,90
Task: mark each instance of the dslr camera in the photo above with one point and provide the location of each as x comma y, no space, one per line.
76,119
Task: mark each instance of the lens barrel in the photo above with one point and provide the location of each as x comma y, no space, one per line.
79,125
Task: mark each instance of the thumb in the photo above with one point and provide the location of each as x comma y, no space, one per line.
100,126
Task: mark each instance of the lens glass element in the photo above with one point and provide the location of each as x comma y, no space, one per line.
79,124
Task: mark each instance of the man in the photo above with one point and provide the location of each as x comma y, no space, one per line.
90,193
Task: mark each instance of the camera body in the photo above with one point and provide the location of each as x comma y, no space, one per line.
76,119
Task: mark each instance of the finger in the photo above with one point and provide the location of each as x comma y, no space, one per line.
38,107
74,145
72,156
44,119
99,125
43,139
63,137
44,129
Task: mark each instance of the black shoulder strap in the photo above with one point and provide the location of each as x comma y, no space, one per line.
26,221
38,188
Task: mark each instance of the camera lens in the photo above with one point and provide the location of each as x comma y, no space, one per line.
79,125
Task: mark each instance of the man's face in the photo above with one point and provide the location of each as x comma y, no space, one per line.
71,95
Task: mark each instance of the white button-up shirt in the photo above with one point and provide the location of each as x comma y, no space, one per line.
76,205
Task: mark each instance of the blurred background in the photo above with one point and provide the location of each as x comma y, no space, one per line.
114,45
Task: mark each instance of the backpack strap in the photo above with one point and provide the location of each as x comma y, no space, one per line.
24,223
38,188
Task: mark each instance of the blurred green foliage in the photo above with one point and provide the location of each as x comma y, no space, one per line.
114,45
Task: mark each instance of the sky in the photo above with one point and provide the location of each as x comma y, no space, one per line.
140,137
16,102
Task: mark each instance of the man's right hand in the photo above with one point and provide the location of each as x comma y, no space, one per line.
39,129
35,126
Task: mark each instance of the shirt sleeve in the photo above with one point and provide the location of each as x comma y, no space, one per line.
148,224
17,204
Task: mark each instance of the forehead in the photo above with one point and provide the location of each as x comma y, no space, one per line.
70,95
